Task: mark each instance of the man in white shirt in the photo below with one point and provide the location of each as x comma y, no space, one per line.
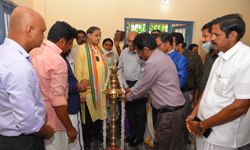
131,70
224,104
81,39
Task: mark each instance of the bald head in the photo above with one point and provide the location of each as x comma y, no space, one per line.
130,39
26,28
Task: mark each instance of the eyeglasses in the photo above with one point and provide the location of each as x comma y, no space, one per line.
81,37
159,44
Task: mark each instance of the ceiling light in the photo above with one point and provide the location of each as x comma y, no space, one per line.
165,1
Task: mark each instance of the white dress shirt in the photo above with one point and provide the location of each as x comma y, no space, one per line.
229,80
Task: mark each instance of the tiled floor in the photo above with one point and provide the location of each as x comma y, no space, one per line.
97,145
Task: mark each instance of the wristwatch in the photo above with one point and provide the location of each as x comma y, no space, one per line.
200,128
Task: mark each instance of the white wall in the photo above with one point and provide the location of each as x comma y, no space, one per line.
109,14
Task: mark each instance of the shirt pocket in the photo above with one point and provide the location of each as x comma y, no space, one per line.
224,87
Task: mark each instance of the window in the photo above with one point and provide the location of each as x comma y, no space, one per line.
145,25
6,9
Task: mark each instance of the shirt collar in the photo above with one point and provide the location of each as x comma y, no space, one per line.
53,46
171,51
17,47
226,56
134,52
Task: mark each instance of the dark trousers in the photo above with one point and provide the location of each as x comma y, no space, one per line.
154,114
245,147
187,108
137,116
90,128
22,142
168,130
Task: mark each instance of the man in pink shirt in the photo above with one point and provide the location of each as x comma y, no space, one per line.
53,79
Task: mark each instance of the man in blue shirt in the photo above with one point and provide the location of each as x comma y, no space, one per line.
74,104
164,43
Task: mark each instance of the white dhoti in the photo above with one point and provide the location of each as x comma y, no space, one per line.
77,123
202,144
58,141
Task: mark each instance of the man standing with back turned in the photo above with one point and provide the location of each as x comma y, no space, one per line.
225,102
22,108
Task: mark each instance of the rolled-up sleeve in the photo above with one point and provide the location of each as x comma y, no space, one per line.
58,84
20,84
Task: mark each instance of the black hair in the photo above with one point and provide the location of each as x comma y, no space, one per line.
192,46
107,39
155,34
179,39
208,26
126,45
165,37
231,22
145,40
156,30
81,31
60,30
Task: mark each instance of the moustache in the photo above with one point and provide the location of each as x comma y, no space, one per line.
83,41
213,42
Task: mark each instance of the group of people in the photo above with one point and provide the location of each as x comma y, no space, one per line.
51,95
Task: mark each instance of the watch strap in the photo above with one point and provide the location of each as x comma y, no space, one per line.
200,128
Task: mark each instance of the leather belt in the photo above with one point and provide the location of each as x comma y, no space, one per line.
185,89
131,83
170,109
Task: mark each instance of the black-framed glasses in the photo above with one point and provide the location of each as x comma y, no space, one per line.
159,44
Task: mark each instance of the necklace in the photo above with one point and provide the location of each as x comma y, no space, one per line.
95,53
97,58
